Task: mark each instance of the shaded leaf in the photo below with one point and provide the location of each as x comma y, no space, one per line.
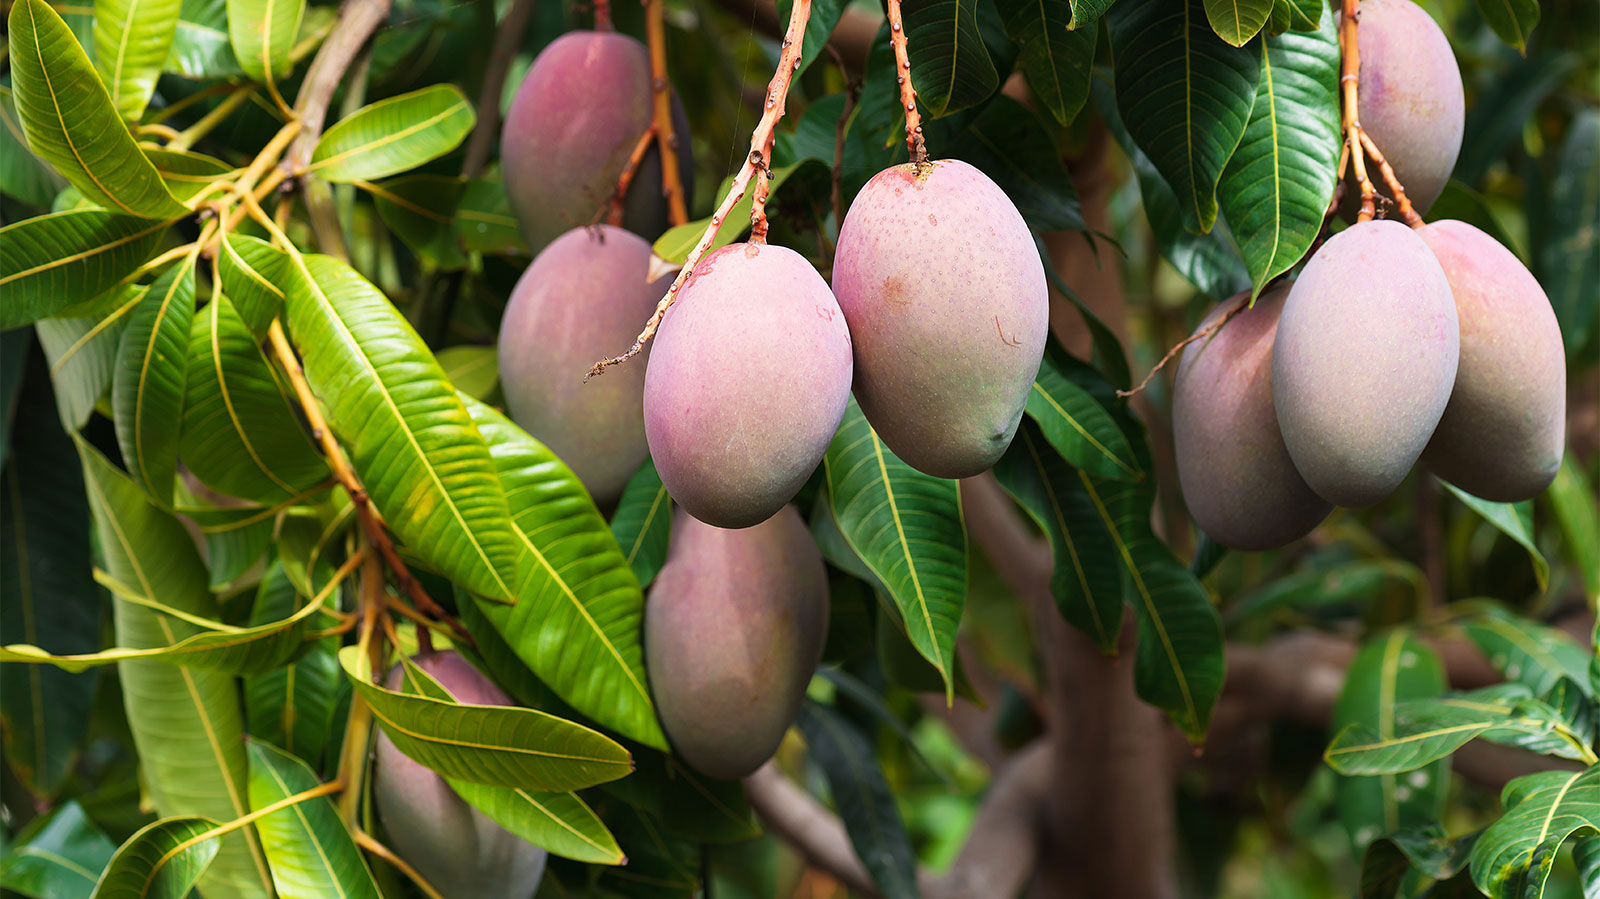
824,18
83,354
185,173
642,523
23,176
1075,423
1515,520
474,370
1569,253
200,48
1513,20
484,222
559,823
394,135
131,41
310,850
58,857
147,391
253,276
50,262
1009,144
1514,856
1056,60
1525,651
292,707
675,245
1572,501
421,211
1237,21
950,65
164,860
1297,15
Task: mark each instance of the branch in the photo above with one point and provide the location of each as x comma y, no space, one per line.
661,112
358,19
915,145
1356,139
756,162
506,41
1178,347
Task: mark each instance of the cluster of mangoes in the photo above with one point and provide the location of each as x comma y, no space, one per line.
1392,345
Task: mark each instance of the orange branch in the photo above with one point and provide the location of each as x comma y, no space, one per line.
661,112
908,93
613,210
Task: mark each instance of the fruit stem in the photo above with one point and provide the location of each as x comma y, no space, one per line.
655,23
366,841
1356,138
602,16
915,145
760,145
612,211
1177,348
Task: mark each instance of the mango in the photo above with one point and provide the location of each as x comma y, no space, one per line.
1504,430
575,119
1233,468
733,630
1411,100
584,298
455,847
1364,361
747,382
942,285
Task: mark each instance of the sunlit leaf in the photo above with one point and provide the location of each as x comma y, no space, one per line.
58,857
1075,423
262,33
253,277
394,135
51,262
162,861
147,392
1237,21
308,846
1515,520
643,523
131,41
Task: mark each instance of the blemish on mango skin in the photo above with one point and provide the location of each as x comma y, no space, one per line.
752,250
933,220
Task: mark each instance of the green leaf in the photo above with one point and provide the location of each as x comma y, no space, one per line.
1435,854
484,222
47,597
292,707
310,850
51,262
71,121
185,721
262,33
410,439
1586,856
1085,12
1514,856
1056,60
1297,15
1515,520
23,176
421,211
58,857
1075,423
1087,578
1276,187
1389,669
1237,21
240,436
559,823
1572,501
495,745
164,860
1502,109
394,135
1184,96
642,523
865,803
186,173
253,276
858,694
1569,253
698,808
824,18
576,621
147,392
1525,651
906,526
131,41
1513,20
950,65
200,48
236,537
678,242
473,370
1010,145
83,354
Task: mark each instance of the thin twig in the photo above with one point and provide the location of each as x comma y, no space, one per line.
1177,348
1401,201
602,16
761,138
915,145
365,841
507,39
612,210
836,195
358,19
190,135
661,112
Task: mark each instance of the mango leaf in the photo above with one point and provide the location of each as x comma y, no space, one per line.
474,370
83,354
701,809
1568,261
163,860
1390,668
200,48
1586,856
1276,187
186,173
421,210
147,392
1525,651
494,745
1513,858
906,526
185,721
675,245
57,857
1237,21
310,850
253,275
1087,577
1388,859
410,439
950,65
484,222
642,523
1184,96
131,41
1296,15
1515,520
71,121
53,261
292,707
857,694
236,537
47,597
394,135
1572,501
1010,145
1056,60
262,33
864,800
23,176
1513,20
240,436
576,621
1085,12
1075,423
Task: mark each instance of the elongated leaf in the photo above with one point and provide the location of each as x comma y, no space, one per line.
240,436
474,370
1569,253
642,523
292,706
576,621
186,173
560,823
83,354
1010,145
185,721
1184,96
1276,186
495,745
950,65
1513,20
1513,858
1087,577
907,527
394,135
164,860
59,857
1237,21
1296,15
1515,520
1586,856
1525,651
1572,501
47,596
1389,669
410,439
236,537
308,846
865,803
253,277
1428,848
421,210
1075,423
262,33
678,242
1056,60
71,121
23,176
131,41
200,48
704,810
484,222
151,367
50,262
